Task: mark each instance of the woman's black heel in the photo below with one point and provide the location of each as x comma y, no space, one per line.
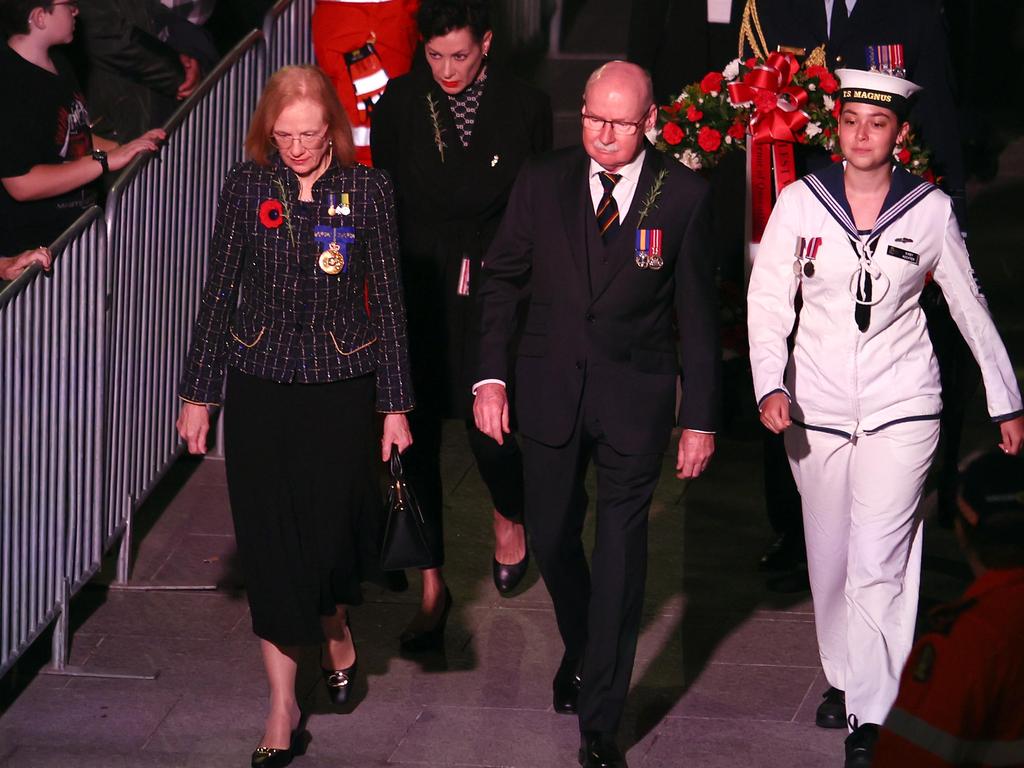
430,639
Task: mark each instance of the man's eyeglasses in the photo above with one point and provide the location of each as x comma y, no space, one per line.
620,127
309,139
71,4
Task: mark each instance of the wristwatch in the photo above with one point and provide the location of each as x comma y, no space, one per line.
101,157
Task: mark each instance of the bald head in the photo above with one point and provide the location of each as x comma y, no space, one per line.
623,79
618,109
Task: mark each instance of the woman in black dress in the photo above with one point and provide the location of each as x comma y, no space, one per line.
453,135
316,344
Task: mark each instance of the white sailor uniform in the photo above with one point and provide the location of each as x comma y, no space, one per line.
865,400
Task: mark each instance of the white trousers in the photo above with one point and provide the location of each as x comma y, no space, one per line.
860,499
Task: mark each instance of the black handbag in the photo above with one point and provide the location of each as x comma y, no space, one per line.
405,536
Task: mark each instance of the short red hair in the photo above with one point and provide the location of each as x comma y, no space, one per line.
285,87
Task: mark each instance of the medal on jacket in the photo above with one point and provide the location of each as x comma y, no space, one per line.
334,241
648,249
334,208
806,252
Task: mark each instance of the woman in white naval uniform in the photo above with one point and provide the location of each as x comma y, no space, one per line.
859,397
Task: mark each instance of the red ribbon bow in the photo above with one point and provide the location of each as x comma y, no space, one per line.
778,105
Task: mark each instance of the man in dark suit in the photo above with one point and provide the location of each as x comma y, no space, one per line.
601,244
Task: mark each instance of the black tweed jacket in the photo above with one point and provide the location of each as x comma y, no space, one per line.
295,322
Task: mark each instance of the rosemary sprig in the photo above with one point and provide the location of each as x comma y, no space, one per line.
651,198
435,119
287,209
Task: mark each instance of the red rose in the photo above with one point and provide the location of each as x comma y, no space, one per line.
816,71
827,133
672,133
712,82
928,175
836,158
903,156
828,83
673,108
709,139
271,214
836,109
751,63
737,131
693,114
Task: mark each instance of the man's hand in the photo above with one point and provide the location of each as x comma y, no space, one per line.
150,141
12,266
490,410
775,412
695,450
193,76
396,433
1012,432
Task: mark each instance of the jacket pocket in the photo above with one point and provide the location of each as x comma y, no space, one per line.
248,344
352,340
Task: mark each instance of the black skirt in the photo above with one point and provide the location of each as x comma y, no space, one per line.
298,467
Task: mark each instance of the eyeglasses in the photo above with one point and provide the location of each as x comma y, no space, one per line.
620,127
308,140
71,4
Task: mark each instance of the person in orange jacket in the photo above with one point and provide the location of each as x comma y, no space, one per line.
360,44
961,697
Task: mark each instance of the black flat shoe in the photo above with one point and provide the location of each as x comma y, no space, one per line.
598,750
860,745
430,639
268,757
832,711
507,577
566,687
339,683
785,553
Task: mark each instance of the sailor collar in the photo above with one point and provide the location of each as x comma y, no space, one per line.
905,191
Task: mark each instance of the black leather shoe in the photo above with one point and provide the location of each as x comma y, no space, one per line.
566,687
860,745
785,553
430,639
598,750
339,683
832,711
268,757
507,577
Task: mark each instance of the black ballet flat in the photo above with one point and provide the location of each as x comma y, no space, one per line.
507,577
430,639
269,757
339,683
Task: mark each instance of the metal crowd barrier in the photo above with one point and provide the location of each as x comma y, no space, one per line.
51,409
159,217
287,31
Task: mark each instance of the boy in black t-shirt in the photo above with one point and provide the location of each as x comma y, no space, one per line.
50,159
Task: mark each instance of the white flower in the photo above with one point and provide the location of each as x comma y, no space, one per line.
728,139
812,87
812,130
828,102
732,70
691,160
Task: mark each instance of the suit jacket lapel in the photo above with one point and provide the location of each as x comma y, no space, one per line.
574,189
625,242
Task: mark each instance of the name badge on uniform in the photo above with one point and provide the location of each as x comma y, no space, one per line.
900,253
648,249
334,242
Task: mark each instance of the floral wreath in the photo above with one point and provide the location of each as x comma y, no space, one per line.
774,99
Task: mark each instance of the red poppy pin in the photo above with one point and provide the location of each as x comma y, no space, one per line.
271,214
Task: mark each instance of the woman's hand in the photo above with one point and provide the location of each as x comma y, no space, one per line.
193,426
396,432
1012,431
12,266
775,412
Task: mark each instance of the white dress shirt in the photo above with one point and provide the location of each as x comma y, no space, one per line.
624,191
719,11
828,13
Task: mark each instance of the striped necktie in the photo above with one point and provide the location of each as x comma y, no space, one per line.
607,210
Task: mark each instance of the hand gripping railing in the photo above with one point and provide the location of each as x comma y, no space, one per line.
51,409
159,218
289,36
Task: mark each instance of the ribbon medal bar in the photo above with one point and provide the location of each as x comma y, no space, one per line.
648,249
334,208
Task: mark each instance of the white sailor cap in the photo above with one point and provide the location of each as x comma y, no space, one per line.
878,88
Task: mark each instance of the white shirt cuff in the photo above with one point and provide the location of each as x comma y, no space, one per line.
486,381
